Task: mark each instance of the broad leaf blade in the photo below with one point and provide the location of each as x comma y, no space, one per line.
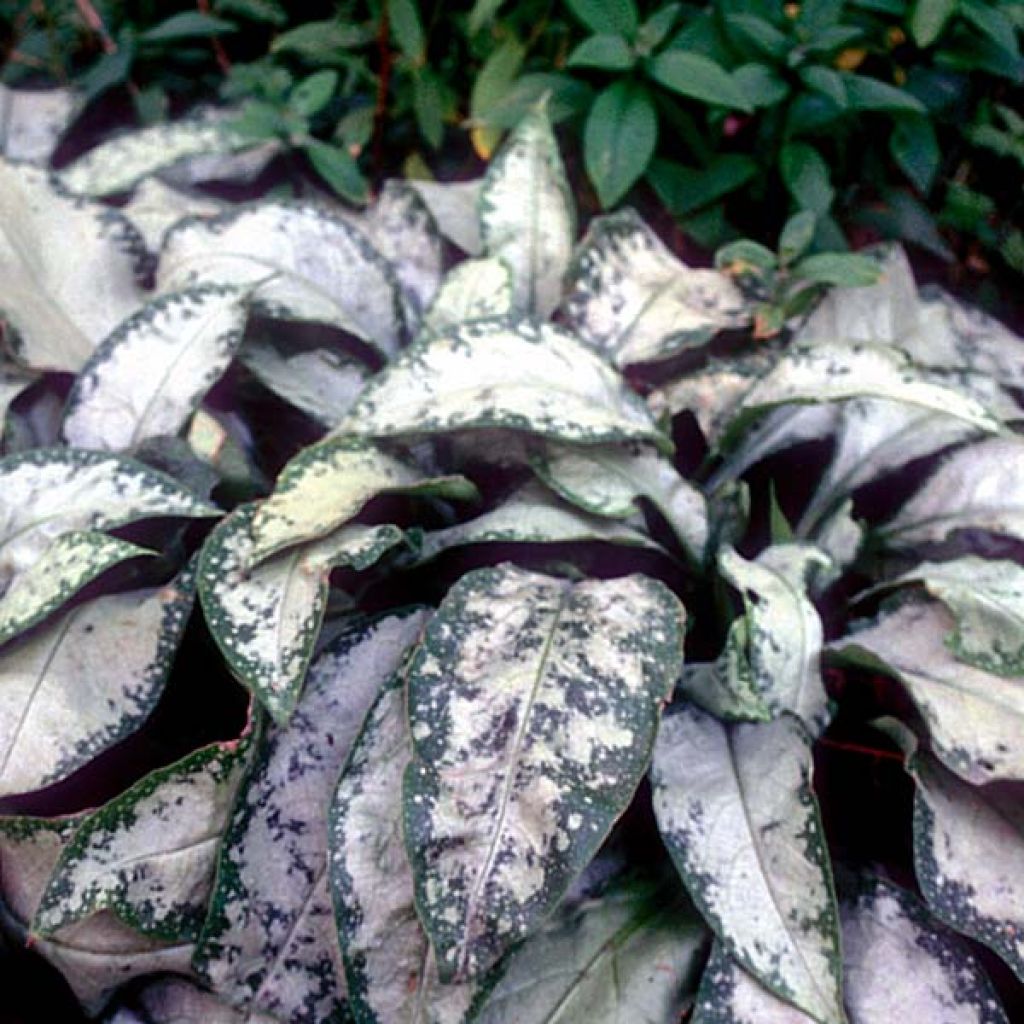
172,1000
454,206
155,208
33,120
471,290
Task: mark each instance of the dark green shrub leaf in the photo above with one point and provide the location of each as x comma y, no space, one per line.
763,86
404,22
797,235
866,93
187,25
928,18
339,169
806,176
915,148
603,15
842,269
619,139
686,189
312,94
698,77
605,52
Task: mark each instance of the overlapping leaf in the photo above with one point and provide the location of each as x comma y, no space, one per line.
32,121
471,290
171,1000
454,206
155,208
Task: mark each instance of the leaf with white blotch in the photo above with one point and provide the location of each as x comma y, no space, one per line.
455,208
901,965
108,660
783,630
389,965
266,619
495,373
728,687
148,855
302,261
609,482
978,487
533,703
269,945
173,1000
974,717
155,208
630,956
532,515
527,219
50,246
33,120
633,301
471,290
736,808
327,484
150,375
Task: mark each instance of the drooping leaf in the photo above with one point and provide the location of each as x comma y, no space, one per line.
527,215
533,704
150,375
737,811
633,301
269,945
454,206
471,290
727,687
33,120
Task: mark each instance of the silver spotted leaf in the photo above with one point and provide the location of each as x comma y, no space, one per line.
148,377
632,300
533,703
269,945
728,687
154,208
33,120
455,207
737,811
65,698
471,290
527,218
174,1000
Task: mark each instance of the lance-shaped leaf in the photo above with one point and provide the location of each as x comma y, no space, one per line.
495,373
609,482
392,977
266,619
148,855
527,216
471,290
783,631
172,1000
633,301
974,718
533,702
979,487
327,484
630,955
65,699
737,811
269,945
150,375
455,209
308,264
902,965
50,247
155,208
33,120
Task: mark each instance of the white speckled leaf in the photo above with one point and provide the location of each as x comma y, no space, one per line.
901,965
86,681
974,717
496,373
527,218
59,307
173,1000
633,301
150,375
978,487
630,956
148,855
737,811
533,703
608,482
455,208
155,208
33,120
269,945
327,484
727,687
266,620
471,290
389,965
308,263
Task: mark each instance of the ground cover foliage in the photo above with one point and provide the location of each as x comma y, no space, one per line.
425,613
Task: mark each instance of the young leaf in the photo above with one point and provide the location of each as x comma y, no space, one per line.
454,206
737,811
268,945
699,77
619,139
533,704
471,290
797,235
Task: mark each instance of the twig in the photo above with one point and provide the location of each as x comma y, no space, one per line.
223,60
95,22
857,748
383,85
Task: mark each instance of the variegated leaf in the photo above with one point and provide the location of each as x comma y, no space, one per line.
269,945
33,120
266,619
150,375
155,208
327,484
389,965
533,702
527,218
609,482
979,487
728,687
171,1000
496,373
630,956
974,718
148,855
302,262
86,681
471,290
901,965
737,811
633,301
50,246
455,208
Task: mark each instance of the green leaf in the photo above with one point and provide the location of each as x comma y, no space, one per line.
339,169
482,15
549,658
797,235
313,93
761,84
760,34
828,82
738,256
324,42
990,21
429,105
619,139
915,148
404,22
807,177
699,78
601,15
187,25
655,29
490,88
928,18
686,189
866,93
605,52
841,269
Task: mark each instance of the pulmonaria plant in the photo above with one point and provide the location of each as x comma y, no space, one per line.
454,570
